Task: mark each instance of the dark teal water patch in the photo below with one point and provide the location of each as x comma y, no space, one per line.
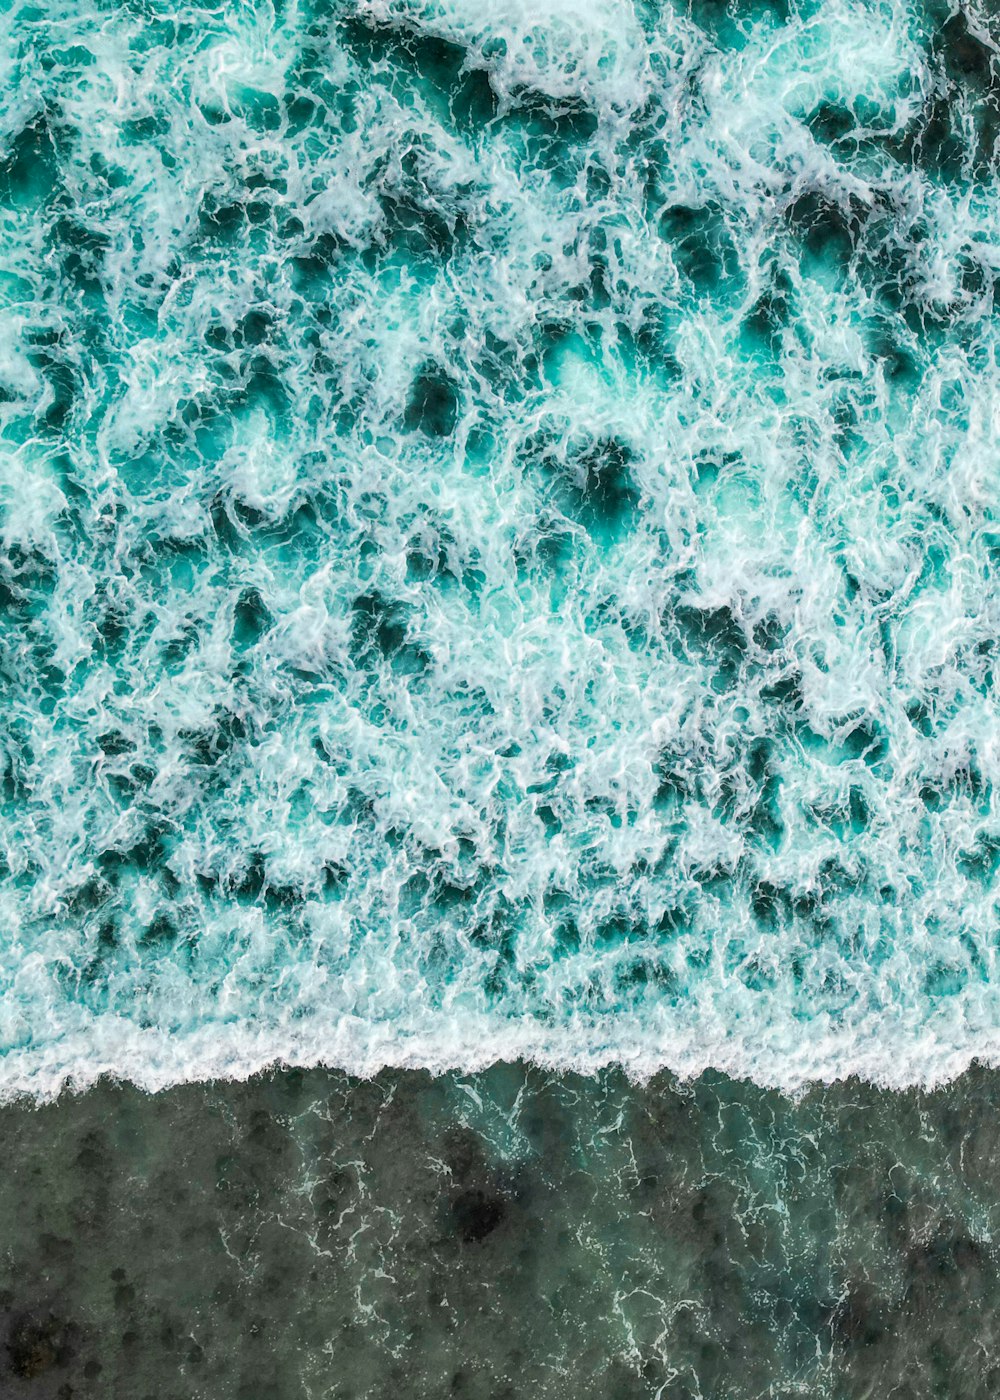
500,1234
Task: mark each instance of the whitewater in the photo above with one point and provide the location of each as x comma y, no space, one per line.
498,538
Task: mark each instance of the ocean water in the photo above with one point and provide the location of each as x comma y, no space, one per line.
499,521
501,1236
499,527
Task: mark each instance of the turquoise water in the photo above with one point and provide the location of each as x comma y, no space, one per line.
499,529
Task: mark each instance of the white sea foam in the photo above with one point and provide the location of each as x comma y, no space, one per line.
498,521
895,1054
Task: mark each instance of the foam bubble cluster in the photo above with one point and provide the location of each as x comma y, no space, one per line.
498,536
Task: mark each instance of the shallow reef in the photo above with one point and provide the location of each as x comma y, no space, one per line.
501,1235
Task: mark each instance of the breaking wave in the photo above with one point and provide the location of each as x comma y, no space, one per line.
498,538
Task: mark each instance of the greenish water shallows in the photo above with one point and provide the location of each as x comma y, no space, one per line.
498,538
506,1236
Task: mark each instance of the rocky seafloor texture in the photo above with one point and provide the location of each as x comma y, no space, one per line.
507,1235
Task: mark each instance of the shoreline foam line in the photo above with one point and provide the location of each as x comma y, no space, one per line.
154,1061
